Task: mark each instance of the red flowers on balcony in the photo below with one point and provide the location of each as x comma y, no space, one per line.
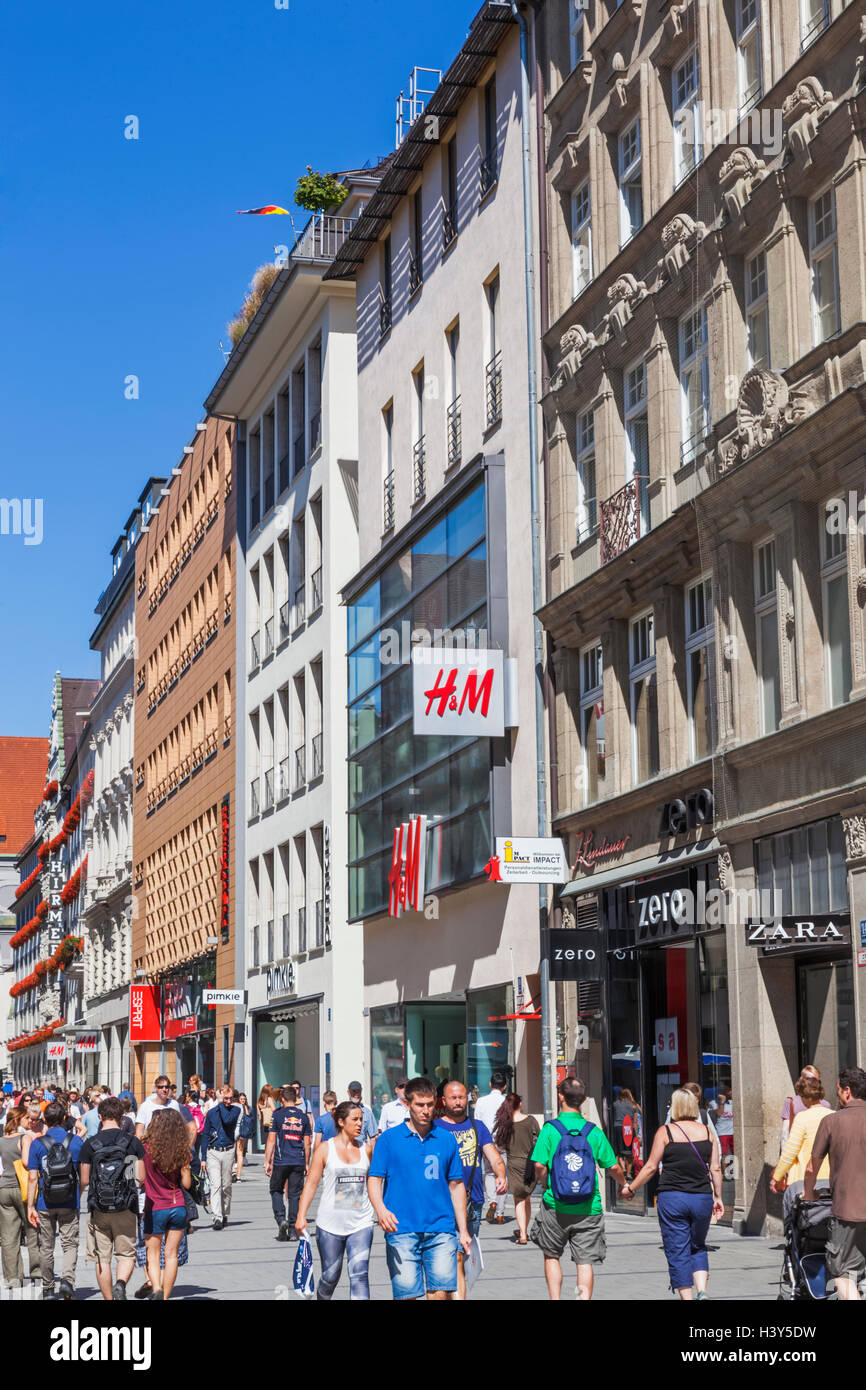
51,791
69,948
70,890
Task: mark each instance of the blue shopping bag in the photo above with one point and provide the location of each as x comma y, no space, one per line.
302,1274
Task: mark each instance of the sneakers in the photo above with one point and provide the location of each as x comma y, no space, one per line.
700,1296
283,1233
491,1213
66,1290
218,1224
143,1291
157,1295
118,1291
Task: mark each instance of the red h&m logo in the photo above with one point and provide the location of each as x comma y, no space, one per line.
408,864
444,691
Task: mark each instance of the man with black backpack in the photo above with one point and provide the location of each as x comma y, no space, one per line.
565,1155
111,1167
52,1199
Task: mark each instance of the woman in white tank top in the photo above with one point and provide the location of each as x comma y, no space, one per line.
344,1220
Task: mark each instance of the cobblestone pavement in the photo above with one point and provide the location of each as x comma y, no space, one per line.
245,1261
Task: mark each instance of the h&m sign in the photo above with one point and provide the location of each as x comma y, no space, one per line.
800,933
463,692
408,867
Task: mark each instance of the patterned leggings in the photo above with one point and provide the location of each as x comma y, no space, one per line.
357,1248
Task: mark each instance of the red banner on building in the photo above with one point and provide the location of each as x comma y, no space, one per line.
144,1019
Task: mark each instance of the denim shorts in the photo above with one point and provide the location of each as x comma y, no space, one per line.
156,1223
422,1257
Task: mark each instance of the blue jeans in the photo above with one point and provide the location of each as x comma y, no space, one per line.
422,1257
684,1218
357,1248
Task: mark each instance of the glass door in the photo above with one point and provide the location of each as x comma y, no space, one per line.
827,1031
624,1108
715,1072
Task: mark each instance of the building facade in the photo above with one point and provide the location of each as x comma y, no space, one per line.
22,779
107,914
702,409
183,936
292,385
445,561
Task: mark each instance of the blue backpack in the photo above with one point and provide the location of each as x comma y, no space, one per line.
572,1172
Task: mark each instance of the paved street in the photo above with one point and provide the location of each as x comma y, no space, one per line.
246,1262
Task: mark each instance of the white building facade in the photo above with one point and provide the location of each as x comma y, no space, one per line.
291,383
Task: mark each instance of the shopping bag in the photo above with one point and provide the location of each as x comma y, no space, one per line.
302,1274
473,1264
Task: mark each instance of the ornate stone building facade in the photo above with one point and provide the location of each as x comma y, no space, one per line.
704,409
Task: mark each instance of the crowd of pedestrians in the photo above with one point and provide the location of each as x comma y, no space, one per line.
429,1173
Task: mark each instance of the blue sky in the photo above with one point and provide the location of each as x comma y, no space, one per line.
125,257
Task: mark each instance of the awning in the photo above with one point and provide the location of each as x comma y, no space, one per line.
639,868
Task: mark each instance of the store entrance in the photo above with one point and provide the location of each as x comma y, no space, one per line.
828,1035
436,1041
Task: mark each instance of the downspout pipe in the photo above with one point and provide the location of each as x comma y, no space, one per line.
537,597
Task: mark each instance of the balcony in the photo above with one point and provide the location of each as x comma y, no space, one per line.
284,785
493,393
299,606
488,172
415,276
384,315
269,639
320,923
302,929
419,470
454,432
815,27
285,621
300,767
449,227
623,518
255,654
299,452
318,753
322,237
388,502
316,590
267,804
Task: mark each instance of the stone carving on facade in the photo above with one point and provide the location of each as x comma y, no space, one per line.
802,113
739,176
623,296
860,65
855,837
574,345
766,408
674,26
679,238
726,871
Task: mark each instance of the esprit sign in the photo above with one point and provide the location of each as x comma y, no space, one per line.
800,933
408,866
460,692
144,1020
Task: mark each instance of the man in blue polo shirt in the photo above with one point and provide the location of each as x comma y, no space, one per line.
417,1167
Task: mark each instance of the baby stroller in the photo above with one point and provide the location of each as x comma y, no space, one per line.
804,1272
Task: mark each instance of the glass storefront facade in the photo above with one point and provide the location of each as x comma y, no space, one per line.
436,586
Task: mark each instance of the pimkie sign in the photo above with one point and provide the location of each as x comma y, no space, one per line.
408,866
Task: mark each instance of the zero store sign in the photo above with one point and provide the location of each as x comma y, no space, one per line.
663,914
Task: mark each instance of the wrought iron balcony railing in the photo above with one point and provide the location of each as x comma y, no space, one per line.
419,470
388,502
623,518
488,172
494,389
454,431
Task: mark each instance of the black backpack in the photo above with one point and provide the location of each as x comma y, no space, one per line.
112,1173
59,1178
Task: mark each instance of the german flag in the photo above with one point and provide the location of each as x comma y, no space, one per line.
266,211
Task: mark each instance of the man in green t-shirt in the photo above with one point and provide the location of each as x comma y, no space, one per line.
580,1225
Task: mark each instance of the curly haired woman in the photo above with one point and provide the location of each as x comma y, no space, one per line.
166,1173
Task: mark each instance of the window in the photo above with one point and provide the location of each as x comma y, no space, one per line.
694,382
489,162
592,720
767,632
637,443
644,701
630,190
824,265
837,629
449,222
416,259
748,53
688,144
805,868
581,239
494,364
814,16
385,288
699,668
757,312
587,502
453,420
575,32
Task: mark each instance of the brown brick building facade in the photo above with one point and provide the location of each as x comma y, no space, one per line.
183,928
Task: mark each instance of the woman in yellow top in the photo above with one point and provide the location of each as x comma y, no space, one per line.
790,1171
